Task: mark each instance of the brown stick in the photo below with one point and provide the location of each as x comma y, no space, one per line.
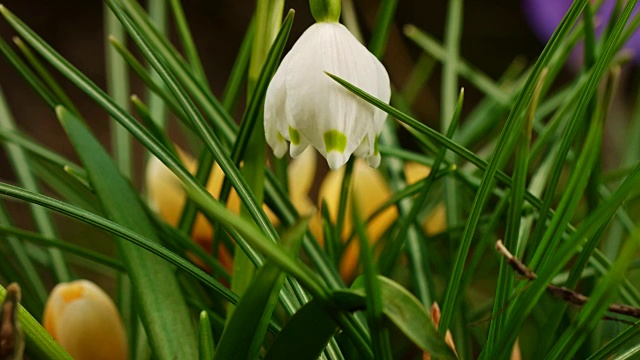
568,295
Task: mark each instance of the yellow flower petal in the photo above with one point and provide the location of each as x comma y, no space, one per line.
300,176
84,320
436,220
414,172
167,197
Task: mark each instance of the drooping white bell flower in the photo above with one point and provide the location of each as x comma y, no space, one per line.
305,106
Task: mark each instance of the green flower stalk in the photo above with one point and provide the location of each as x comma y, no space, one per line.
325,10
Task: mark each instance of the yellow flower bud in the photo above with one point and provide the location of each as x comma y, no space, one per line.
83,319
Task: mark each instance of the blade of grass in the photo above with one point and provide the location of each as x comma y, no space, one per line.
449,91
603,295
379,332
153,281
268,19
64,246
158,18
187,41
505,280
239,70
61,97
32,79
118,89
39,344
32,281
20,164
206,344
526,300
244,333
381,30
315,322
121,232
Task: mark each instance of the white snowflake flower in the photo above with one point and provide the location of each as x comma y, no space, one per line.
305,107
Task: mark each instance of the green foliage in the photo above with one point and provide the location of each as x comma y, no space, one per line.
522,164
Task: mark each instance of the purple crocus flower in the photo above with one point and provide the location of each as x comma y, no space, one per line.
545,15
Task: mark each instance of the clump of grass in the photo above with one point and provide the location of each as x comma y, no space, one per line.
521,171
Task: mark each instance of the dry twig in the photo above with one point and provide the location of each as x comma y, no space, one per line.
568,295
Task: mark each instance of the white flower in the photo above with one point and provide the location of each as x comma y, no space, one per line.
305,106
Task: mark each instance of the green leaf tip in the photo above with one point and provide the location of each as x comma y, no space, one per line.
60,112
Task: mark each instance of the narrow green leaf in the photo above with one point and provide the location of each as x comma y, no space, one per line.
21,167
62,97
374,302
206,344
39,344
153,281
604,294
118,89
119,231
384,21
64,246
187,41
244,333
305,334
404,310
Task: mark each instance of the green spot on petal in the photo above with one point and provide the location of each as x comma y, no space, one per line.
280,137
294,135
334,140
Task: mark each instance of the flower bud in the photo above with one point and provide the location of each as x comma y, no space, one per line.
84,320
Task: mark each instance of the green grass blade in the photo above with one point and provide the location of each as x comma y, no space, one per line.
158,19
32,283
251,134
512,235
62,97
153,281
406,312
209,136
525,302
187,41
118,89
20,164
475,76
381,30
315,322
39,344
147,79
603,295
64,246
121,232
630,335
219,118
374,303
205,345
239,70
32,79
244,333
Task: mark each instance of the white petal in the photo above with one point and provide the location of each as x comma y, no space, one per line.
298,142
275,117
336,159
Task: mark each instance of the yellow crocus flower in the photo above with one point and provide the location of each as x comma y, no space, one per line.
83,319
